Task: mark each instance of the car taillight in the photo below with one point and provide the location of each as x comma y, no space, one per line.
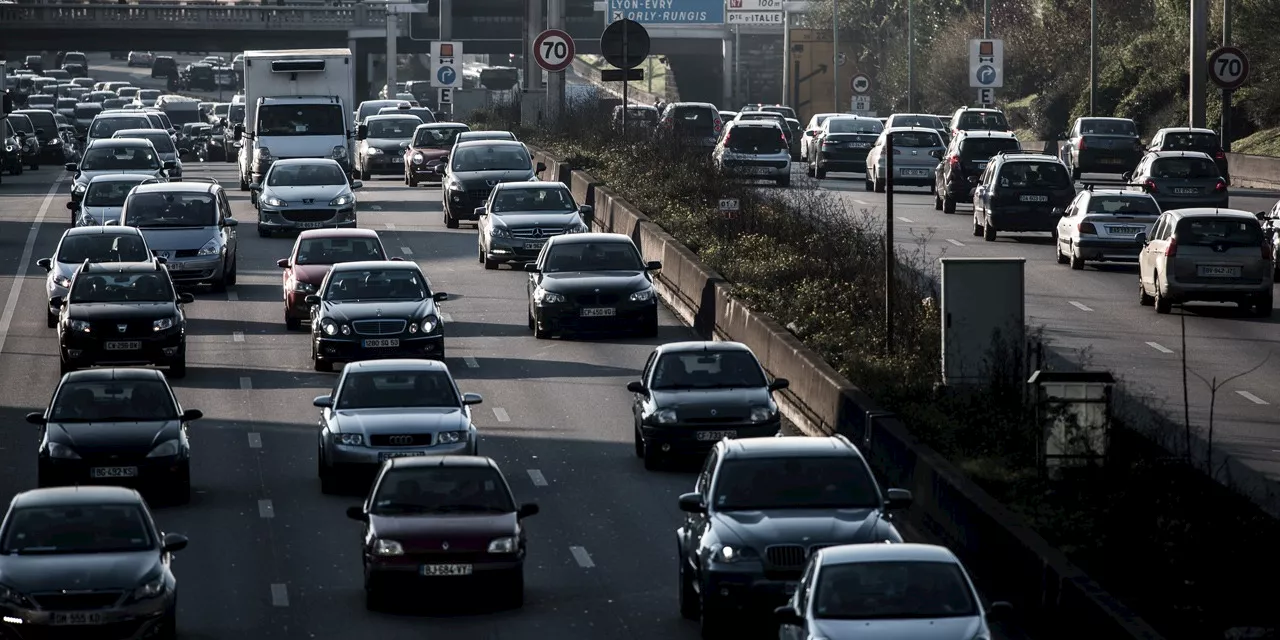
727,136
953,160
1220,155
718,124
826,142
1080,144
1087,227
1172,249
1220,186
1150,186
784,139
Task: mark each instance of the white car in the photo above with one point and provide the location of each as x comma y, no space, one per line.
755,150
810,133
1102,225
141,58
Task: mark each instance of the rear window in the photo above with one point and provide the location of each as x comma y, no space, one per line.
1190,142
850,125
1124,205
986,147
916,139
88,111
1184,168
694,118
1204,232
928,122
1032,175
983,120
1108,128
754,140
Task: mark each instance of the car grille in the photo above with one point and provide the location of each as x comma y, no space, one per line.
786,556
379,327
479,195
307,215
111,330
537,232
401,440
603,298
77,601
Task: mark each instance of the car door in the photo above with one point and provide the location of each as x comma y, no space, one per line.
1069,148
1067,224
696,524
981,192
638,399
1147,259
873,158
227,227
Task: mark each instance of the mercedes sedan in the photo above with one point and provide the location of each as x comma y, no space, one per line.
520,216
592,282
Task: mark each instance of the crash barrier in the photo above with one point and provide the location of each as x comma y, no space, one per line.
1247,172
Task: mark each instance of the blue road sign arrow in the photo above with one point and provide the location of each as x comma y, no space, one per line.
446,75
986,74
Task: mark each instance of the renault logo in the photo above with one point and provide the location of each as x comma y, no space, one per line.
122,328
444,545
400,441
713,412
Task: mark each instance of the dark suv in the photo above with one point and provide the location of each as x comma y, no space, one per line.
123,313
760,508
964,160
164,67
1021,192
1101,145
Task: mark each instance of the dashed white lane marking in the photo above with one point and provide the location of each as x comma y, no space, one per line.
864,202
391,227
582,557
246,383
906,220
279,595
265,509
237,336
406,250
255,441
233,296
446,317
1079,305
955,242
375,207
501,414
1251,398
1159,347
471,361
538,479
28,249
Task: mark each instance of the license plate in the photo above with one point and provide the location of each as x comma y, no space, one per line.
382,342
1124,230
114,472
164,254
383,457
1186,192
310,225
716,435
446,569
534,246
602,312
914,173
981,166
122,346
860,145
1111,161
1206,271
1034,199
65,618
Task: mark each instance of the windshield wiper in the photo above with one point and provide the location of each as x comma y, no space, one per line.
473,508
402,506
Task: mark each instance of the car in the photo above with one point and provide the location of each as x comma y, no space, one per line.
754,148
67,107
1181,180
768,116
923,120
1101,145
920,591
10,149
104,198
519,217
127,92
974,119
760,508
843,144
1270,220
1210,255
163,144
189,224
474,168
375,309
113,156
692,394
305,193
422,113
1020,193
1102,224
164,67
57,541
964,161
794,134
381,142
105,125
146,98
313,254
387,409
639,117
436,521
697,124
428,150
140,59
45,128
916,152
34,63
29,140
93,244
373,107
1192,139
590,282
783,110
99,96
474,136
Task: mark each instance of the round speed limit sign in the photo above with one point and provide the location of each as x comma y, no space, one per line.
553,49
1229,67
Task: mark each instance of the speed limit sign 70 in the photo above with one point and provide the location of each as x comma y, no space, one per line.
1229,67
553,49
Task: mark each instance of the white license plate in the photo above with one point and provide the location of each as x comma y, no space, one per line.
114,472
310,225
1034,199
914,173
383,457
534,246
1124,230
382,342
1206,271
1186,192
1111,161
66,618
860,145
600,312
122,346
163,254
446,569
716,435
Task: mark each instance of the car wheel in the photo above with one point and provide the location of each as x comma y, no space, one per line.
323,366
539,331
1163,304
372,597
262,232
329,483
868,185
977,228
291,323
43,477
220,284
235,271
51,319
714,621
244,184
489,265
1144,298
1262,308
937,201
784,182
819,173
948,205
988,232
1075,173
1057,249
688,596
640,446
450,222
1076,260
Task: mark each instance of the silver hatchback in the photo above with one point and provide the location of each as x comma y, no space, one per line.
755,149
916,153
1210,255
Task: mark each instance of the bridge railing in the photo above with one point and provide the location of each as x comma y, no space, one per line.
317,18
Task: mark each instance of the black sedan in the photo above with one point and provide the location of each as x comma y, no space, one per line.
116,426
87,562
592,282
375,309
473,168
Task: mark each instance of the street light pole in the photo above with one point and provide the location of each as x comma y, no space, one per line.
1093,57
1225,132
986,19
911,56
1196,63
835,55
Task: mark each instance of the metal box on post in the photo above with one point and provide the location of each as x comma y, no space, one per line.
1074,411
983,317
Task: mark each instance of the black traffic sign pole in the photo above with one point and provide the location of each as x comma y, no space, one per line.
626,85
888,244
1225,133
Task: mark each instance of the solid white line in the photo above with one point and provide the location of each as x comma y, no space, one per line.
233,296
237,336
501,414
1079,305
538,479
583,558
906,220
446,317
279,595
1252,398
265,510
1159,347
11,304
391,227
255,441
955,242
406,250
471,362
246,383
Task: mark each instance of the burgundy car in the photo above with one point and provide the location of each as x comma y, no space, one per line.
443,521
313,254
431,144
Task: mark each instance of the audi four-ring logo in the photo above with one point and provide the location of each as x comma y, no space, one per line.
401,440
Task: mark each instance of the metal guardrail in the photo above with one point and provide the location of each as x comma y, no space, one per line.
220,18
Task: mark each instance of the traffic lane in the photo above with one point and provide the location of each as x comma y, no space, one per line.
23,199
103,69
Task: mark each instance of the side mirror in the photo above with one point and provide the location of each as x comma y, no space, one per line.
787,615
438,169
173,542
191,415
253,186
324,402
170,165
692,503
70,166
222,122
362,132
231,222
439,296
356,184
480,211
55,302
45,263
636,386
1141,238
999,610
779,384
1058,211
1126,176
531,268
588,214
472,398
158,259
186,298
312,299
542,166
527,509
357,514
71,206
810,134
1261,215
653,265
897,499
283,263
35,417
936,153
404,145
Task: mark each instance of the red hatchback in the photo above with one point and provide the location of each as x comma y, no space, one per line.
313,254
428,150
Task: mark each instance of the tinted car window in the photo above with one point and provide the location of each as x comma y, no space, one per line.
1190,142
397,128
306,175
121,287
707,370
753,484
916,139
437,138
693,119
107,127
755,139
119,158
986,147
235,113
1034,175
370,390
494,158
553,199
44,120
102,248
928,122
442,490
1207,232
592,256
160,209
335,250
113,400
300,120
158,139
892,590
1108,128
849,125
988,120
376,284
77,529
1123,205
1185,168
22,123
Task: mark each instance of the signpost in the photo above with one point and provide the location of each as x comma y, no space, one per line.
986,96
755,17
625,45
669,11
1229,69
861,105
446,59
986,64
729,207
444,98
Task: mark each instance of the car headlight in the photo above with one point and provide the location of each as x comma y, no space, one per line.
211,248
543,296
303,287
342,200
62,451
79,187
499,232
349,439
9,148
166,449
642,296
383,547
453,185
338,152
450,437
14,597
418,158
331,328
372,151
78,325
763,414
508,544
665,416
55,142
426,325
581,227
163,323
272,201
730,554
87,220
61,281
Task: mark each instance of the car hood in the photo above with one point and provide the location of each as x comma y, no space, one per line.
101,215
348,311
389,145
522,220
430,532
36,573
722,403
85,176
312,273
320,194
116,436
794,526
574,282
485,179
400,420
179,238
910,629
126,312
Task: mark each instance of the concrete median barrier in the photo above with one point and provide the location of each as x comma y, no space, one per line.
1247,172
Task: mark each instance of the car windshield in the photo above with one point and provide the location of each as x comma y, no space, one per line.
301,120
22,124
393,128
892,591
1034,175
107,127
386,390
707,370
330,250
159,209
592,256
121,287
1184,168
801,482
1108,128
77,528
120,158
853,125
916,139
533,199
102,248
1190,141
86,111
306,175
130,400
985,148
235,113
437,137
1124,205
1209,232
983,120
158,139
492,158
435,489
356,285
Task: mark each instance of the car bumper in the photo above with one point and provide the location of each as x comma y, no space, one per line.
132,622
699,439
461,206
568,317
365,461
83,350
1104,249
1177,291
425,171
151,472
190,271
747,592
404,573
911,176
1021,220
1168,203
335,350
383,165
1105,161
513,249
285,219
851,162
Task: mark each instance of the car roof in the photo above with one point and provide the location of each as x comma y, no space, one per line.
984,133
770,123
398,364
581,238
114,373
389,116
121,142
979,110
903,552
177,187
1108,119
120,114
760,112
338,233
442,125
443,461
376,264
693,346
293,161
102,230
1029,157
79,495
126,133
530,184
1180,154
1195,212
789,446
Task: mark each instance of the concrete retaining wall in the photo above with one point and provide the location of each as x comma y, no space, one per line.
1009,560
